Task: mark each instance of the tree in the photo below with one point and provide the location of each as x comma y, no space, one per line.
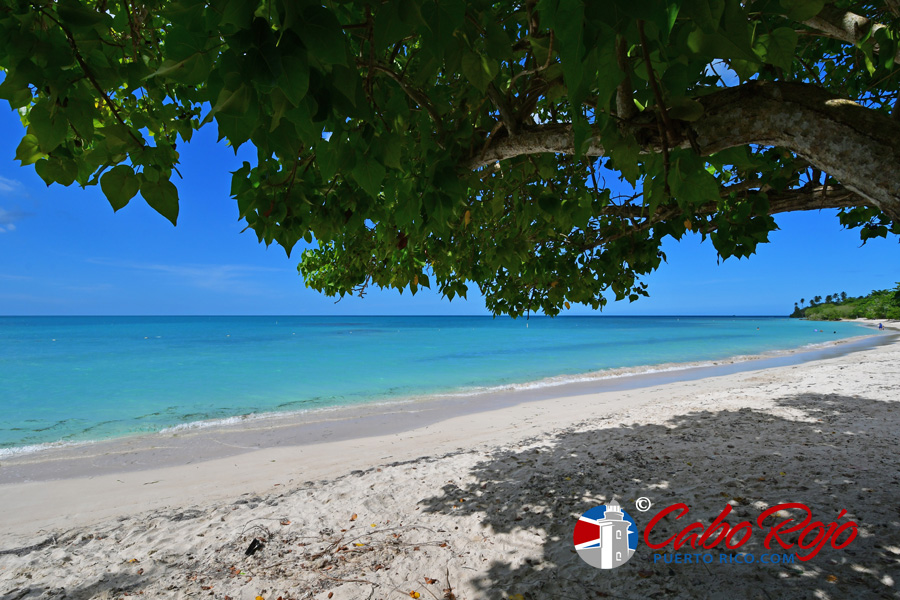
828,299
843,296
802,301
425,142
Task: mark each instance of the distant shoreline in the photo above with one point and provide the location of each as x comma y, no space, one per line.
873,323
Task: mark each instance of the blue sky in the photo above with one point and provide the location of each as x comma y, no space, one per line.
64,252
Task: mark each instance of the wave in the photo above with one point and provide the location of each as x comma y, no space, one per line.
641,370
6,453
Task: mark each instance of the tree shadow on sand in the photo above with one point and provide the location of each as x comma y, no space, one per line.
826,451
109,586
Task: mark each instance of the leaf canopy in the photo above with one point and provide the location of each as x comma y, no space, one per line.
445,143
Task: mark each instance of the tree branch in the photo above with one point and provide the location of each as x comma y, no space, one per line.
845,26
87,73
857,146
893,6
625,108
672,135
819,198
666,131
506,114
416,96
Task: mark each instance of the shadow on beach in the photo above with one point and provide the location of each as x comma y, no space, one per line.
828,452
102,588
501,526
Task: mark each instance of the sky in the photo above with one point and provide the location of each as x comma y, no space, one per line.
64,252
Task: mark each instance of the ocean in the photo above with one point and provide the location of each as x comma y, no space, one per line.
75,379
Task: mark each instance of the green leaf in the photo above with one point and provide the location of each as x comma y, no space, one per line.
801,10
608,73
717,45
232,102
162,196
369,174
410,12
389,27
73,13
237,129
50,130
17,93
673,9
778,48
569,26
236,12
327,159
118,138
730,41
56,170
706,14
323,36
479,70
582,134
192,70
294,79
540,47
80,114
346,81
119,185
444,18
685,109
29,150
391,151
497,43
887,47
642,9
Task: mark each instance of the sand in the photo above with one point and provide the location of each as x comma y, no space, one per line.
482,505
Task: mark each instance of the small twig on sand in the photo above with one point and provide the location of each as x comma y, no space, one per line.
349,580
448,593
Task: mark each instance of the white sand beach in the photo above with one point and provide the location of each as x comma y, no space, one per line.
483,505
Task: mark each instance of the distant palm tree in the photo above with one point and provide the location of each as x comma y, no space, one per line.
843,296
828,299
817,299
802,300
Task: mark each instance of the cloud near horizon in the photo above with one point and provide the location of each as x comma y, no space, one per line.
214,277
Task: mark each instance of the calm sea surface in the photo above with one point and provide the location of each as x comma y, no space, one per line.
89,378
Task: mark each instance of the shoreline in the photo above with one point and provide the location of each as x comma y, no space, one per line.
485,502
197,442
465,399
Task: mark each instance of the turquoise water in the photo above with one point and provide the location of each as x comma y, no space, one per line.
88,378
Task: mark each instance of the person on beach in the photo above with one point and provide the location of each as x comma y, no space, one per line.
881,326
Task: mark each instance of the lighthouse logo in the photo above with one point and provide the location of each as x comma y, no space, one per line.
606,536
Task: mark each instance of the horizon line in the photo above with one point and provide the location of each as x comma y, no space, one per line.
540,316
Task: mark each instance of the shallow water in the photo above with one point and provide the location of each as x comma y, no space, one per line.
89,378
